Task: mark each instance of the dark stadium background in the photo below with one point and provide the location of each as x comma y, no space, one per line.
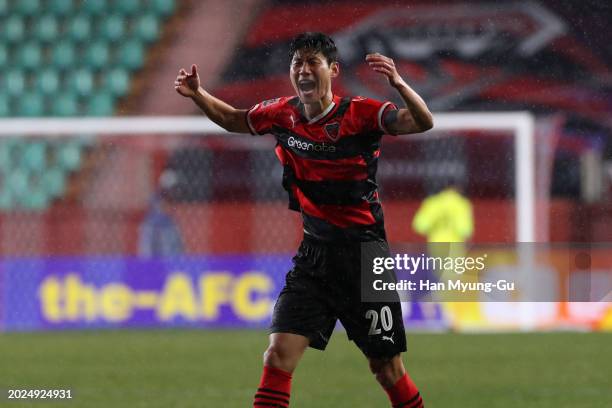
74,279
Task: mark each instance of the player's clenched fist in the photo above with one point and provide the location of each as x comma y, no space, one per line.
385,66
187,84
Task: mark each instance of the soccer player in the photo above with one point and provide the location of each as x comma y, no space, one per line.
329,147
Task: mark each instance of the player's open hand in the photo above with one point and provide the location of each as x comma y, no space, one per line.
385,66
187,84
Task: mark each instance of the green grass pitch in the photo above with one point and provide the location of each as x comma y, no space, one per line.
220,369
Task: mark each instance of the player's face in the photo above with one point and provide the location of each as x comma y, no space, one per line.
311,76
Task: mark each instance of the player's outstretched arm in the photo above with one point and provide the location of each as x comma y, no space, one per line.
415,117
223,114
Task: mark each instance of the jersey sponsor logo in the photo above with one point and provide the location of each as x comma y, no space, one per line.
310,146
332,130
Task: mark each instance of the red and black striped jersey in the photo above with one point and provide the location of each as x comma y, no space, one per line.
329,162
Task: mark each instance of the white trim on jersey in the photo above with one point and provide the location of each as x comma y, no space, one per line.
322,114
380,114
248,117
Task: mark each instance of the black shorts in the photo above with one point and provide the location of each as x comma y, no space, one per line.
324,286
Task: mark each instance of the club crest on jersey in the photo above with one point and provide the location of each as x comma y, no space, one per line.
270,102
332,130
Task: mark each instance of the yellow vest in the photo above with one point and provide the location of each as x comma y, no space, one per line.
445,217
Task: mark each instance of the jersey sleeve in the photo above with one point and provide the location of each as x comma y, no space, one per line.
261,117
370,114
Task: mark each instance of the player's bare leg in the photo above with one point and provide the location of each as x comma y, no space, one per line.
392,376
387,371
280,360
285,351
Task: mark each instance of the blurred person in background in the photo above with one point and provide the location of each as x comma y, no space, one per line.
446,218
329,148
159,235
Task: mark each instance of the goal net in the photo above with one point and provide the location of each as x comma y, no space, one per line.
97,178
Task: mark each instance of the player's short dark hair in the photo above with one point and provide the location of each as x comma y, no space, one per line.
317,42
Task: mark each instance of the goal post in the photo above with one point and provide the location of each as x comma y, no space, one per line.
522,124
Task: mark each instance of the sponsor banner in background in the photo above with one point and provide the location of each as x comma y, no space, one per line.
239,291
107,292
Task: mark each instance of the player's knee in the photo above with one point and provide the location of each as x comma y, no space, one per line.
381,372
276,356
271,356
285,351
387,370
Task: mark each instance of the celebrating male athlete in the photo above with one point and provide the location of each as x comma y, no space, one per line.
329,147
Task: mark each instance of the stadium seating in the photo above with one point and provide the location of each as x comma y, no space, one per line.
64,58
34,172
103,42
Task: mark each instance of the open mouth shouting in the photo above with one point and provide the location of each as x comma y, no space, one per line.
307,87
